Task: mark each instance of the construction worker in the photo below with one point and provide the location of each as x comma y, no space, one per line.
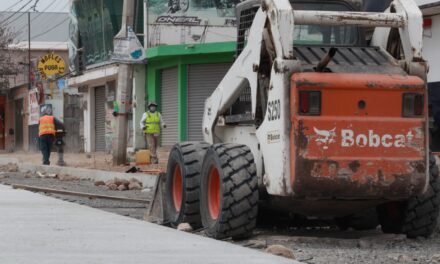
151,123
47,128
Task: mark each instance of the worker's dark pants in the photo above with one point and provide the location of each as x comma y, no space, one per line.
46,142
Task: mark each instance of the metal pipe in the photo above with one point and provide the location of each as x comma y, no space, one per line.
363,19
326,60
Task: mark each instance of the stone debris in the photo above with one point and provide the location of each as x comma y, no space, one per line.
99,183
122,187
121,184
10,167
401,258
112,186
67,177
61,177
258,244
184,227
435,258
280,250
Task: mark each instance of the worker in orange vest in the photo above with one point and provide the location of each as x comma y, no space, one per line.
47,128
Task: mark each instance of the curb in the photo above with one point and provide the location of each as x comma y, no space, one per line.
147,180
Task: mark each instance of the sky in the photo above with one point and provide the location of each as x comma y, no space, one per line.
42,5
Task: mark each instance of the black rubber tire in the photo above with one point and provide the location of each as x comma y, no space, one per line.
189,156
238,192
418,216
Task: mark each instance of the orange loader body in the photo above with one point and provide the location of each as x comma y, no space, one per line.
360,145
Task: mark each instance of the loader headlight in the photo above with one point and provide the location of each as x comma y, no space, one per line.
309,103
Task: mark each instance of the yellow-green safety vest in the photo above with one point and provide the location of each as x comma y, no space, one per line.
152,123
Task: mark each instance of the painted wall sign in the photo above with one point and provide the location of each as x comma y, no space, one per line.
34,108
50,66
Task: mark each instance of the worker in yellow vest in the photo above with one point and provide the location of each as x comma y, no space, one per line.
151,124
47,128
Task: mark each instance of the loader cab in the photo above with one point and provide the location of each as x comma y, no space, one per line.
306,35
313,35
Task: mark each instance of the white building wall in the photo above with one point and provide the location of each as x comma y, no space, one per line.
431,48
89,120
138,105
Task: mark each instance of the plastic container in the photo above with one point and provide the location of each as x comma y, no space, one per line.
143,157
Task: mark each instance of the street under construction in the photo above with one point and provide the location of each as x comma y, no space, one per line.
316,148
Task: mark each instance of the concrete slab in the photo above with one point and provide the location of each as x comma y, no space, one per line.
40,229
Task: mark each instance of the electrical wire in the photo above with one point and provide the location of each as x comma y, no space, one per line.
16,12
50,29
22,14
46,22
12,6
25,25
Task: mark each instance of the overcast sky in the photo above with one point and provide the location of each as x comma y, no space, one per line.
42,5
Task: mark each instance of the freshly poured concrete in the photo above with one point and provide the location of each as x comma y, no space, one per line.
39,229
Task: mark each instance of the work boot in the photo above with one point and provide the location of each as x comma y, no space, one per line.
154,160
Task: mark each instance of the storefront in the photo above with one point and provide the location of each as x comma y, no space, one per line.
180,78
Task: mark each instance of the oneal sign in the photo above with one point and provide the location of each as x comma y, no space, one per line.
348,138
179,20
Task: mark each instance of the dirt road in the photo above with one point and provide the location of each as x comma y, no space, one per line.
324,244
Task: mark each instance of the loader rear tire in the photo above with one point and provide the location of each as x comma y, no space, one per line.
418,216
229,192
183,183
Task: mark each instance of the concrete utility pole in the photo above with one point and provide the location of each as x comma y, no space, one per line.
29,51
124,90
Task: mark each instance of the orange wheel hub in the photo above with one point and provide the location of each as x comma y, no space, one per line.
177,187
214,193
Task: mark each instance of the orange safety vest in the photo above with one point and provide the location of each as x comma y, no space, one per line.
47,125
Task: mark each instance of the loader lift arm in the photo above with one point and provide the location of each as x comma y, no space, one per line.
278,19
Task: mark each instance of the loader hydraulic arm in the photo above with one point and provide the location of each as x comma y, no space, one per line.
276,20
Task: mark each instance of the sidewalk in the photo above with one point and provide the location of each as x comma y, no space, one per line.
95,160
44,230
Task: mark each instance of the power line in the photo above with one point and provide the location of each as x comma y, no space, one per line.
23,13
16,12
47,7
35,17
12,6
50,29
46,21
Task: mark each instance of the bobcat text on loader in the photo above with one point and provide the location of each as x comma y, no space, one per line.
323,114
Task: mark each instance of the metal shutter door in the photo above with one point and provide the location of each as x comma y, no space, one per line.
100,118
169,106
202,81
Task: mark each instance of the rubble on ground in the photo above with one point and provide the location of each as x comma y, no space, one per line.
185,227
10,167
61,177
280,250
118,184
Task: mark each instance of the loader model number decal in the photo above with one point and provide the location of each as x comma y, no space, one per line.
274,110
348,138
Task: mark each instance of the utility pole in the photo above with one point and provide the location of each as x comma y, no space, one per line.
146,37
124,90
29,51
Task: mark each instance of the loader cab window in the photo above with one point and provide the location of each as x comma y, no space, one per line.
324,35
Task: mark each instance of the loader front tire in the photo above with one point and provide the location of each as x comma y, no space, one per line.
418,216
228,192
183,183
